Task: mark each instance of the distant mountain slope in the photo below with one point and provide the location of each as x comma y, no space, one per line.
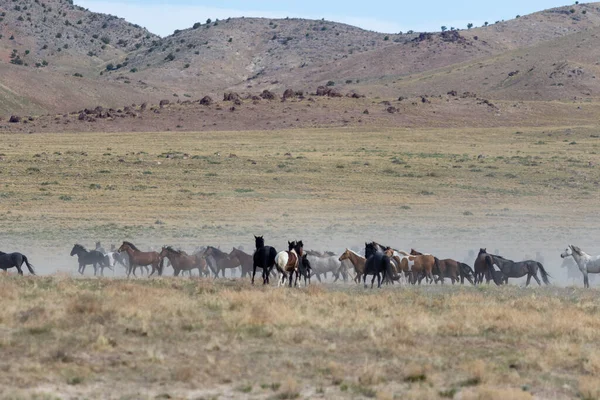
56,56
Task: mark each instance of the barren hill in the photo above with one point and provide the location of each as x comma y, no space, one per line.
57,57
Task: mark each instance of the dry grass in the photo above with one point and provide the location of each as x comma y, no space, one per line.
186,338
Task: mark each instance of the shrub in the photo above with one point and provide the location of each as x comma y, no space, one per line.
186,66
197,25
386,38
331,83
133,70
469,25
170,57
105,39
58,35
79,22
208,21
78,75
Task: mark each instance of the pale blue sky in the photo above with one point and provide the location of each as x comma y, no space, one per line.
163,17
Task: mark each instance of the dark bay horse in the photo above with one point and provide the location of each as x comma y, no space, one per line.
222,261
181,261
139,258
15,260
264,257
94,257
244,259
512,269
481,267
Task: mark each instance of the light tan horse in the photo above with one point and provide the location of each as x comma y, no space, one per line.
357,261
139,258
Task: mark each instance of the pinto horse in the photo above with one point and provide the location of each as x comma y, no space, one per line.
181,261
15,260
139,258
287,262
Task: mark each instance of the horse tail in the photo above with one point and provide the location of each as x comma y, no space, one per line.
391,273
29,266
545,275
466,271
161,265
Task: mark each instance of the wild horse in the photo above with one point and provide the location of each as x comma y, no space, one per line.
244,259
15,260
221,262
181,261
264,257
287,262
94,257
139,258
357,261
378,264
512,269
587,264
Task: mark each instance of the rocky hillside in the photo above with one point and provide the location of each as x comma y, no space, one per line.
56,56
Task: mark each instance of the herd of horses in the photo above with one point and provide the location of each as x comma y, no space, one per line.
294,265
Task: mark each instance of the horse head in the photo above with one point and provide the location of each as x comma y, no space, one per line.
370,249
292,245
259,241
76,249
299,248
345,255
482,251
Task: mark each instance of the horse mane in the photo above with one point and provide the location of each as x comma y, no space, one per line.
178,252
577,250
132,246
2,253
81,247
219,252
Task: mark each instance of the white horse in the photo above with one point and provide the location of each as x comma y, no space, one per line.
587,264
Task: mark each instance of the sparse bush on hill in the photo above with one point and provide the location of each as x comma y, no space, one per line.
105,40
197,25
330,83
444,28
208,21
58,35
170,57
469,25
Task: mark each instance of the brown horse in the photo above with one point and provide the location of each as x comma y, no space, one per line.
139,258
357,261
222,260
447,268
417,267
246,261
181,261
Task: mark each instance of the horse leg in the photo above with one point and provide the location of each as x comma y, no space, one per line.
19,269
254,273
586,281
365,280
529,275
176,273
376,275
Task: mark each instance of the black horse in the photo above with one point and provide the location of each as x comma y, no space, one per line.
304,270
264,257
512,269
93,257
377,264
13,260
